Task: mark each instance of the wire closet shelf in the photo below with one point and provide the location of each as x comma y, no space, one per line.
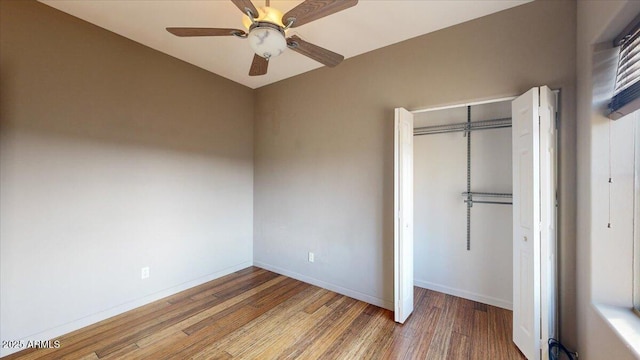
465,126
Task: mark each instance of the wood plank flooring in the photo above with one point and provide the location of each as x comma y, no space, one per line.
257,314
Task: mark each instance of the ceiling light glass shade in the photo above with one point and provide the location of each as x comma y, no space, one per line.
267,42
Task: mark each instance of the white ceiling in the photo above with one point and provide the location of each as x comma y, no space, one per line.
369,25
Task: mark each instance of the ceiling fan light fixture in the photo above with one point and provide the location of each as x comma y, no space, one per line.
267,40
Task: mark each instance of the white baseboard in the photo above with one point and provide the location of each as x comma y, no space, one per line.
489,300
119,309
325,285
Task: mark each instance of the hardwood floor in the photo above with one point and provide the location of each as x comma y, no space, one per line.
257,314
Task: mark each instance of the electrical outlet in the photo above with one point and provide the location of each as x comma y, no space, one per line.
144,273
311,257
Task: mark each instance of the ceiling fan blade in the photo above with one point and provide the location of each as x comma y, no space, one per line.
258,66
321,55
245,5
311,10
186,31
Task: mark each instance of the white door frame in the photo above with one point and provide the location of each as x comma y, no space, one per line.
549,216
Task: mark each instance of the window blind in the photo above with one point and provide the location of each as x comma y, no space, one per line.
626,95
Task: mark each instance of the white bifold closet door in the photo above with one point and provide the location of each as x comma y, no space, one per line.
534,233
403,215
534,219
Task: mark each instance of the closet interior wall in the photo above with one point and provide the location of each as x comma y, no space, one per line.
441,259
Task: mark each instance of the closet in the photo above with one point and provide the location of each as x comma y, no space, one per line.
455,230
463,222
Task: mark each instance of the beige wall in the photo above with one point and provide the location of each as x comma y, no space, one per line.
113,157
324,144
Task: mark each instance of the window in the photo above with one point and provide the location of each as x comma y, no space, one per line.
626,96
625,101
613,249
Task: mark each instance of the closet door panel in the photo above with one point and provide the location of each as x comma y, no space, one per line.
548,304
526,224
403,219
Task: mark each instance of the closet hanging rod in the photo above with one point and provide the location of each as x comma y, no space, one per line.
471,194
488,202
466,126
488,194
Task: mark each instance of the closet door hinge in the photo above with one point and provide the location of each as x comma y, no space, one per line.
540,111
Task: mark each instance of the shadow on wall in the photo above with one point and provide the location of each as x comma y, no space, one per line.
388,231
113,157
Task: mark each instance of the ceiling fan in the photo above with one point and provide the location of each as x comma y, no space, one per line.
267,27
